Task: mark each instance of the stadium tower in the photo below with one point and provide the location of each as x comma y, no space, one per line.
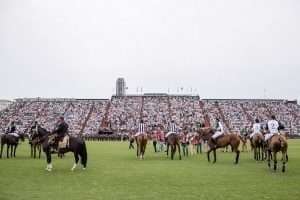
120,87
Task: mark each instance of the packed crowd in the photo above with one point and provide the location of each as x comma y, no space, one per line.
46,113
156,111
122,114
240,114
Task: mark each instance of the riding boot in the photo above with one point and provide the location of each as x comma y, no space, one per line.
214,142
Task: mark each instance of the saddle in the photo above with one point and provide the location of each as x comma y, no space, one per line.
139,133
14,134
64,143
61,143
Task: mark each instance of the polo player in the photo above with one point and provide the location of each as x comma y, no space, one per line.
219,131
256,128
273,126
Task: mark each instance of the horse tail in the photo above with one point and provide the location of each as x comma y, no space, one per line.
84,155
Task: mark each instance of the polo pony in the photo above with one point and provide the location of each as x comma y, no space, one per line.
173,140
141,144
228,139
277,143
257,143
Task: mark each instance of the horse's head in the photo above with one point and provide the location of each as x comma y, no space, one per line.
37,133
32,133
22,136
284,134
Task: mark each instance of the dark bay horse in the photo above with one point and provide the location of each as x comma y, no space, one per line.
227,139
173,140
277,143
35,145
11,142
76,145
257,143
141,144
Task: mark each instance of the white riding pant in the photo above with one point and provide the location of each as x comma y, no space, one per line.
217,134
268,136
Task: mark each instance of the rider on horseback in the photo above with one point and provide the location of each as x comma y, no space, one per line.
219,131
11,130
61,132
172,129
141,129
35,126
273,126
256,128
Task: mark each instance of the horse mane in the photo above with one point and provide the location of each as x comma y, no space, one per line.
205,132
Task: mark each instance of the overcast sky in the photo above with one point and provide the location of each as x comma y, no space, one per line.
220,49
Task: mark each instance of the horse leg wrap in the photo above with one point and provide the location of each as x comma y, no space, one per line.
49,167
74,167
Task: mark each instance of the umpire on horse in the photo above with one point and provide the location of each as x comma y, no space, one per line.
61,132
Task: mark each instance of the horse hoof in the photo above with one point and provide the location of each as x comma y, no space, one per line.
48,169
84,168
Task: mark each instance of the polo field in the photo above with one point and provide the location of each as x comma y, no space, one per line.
114,172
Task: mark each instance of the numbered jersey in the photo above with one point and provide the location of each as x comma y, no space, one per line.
273,126
256,128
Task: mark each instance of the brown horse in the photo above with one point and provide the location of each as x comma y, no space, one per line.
141,143
173,140
277,144
257,142
227,139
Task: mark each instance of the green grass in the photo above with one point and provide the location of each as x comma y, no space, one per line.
114,173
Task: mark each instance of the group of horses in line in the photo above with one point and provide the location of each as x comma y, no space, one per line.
41,139
262,150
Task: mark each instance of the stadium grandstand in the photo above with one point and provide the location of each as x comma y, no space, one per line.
121,114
